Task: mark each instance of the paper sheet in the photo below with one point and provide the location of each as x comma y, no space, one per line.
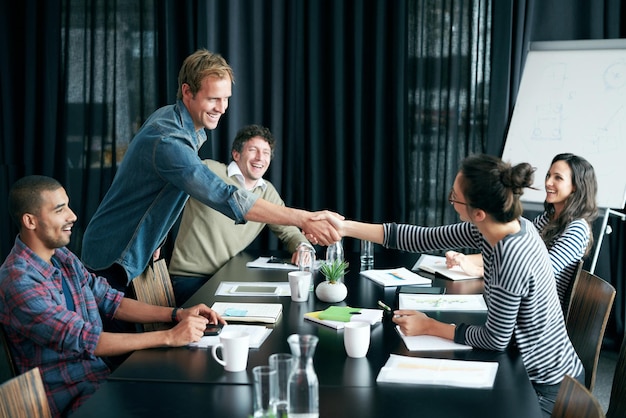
450,302
396,277
429,371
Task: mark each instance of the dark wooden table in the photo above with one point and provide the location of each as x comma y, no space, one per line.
185,382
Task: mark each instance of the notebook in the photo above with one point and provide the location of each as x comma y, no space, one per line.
333,317
249,312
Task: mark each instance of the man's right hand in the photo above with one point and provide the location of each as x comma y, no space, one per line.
319,227
188,330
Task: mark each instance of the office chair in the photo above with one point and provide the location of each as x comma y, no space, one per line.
7,367
592,299
24,397
617,402
575,401
154,286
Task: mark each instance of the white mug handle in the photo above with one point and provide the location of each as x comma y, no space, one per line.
215,356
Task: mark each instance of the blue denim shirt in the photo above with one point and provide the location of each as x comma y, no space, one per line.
159,172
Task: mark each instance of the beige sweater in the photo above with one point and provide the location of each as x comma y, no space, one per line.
207,239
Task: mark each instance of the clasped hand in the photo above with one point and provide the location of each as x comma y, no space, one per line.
320,229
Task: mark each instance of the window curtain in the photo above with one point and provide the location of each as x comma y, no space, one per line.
448,99
108,58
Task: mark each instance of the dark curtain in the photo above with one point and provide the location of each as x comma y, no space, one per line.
448,100
31,99
327,77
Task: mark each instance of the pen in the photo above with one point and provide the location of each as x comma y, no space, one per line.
385,307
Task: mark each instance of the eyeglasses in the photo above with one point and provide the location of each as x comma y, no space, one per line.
452,198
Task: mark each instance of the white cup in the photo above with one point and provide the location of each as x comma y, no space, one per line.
356,338
234,347
299,285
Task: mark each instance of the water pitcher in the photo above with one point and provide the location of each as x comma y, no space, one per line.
303,397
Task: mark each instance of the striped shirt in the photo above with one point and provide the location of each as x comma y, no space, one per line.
566,250
521,297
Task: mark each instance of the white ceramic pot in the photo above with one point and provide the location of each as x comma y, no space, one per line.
331,292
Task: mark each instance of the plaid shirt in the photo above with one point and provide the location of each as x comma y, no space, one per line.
44,333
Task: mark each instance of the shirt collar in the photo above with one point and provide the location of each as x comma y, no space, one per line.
234,171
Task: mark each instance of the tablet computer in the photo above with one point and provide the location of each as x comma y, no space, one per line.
252,290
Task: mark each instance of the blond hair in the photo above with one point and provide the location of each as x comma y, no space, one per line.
198,66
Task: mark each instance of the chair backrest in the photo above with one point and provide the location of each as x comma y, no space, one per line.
567,300
592,299
24,397
617,402
7,367
154,286
575,401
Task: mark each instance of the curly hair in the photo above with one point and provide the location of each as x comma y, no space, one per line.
247,132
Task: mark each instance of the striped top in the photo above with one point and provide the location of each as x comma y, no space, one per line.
566,250
521,297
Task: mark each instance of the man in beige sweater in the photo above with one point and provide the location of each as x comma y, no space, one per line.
206,239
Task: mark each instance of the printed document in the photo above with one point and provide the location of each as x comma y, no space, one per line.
430,371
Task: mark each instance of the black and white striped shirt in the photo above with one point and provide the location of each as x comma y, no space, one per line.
566,250
521,296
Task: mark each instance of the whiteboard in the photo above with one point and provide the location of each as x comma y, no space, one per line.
572,98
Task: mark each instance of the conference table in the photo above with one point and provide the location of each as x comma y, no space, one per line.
185,381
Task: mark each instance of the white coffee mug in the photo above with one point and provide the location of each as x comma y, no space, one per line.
356,338
299,285
234,347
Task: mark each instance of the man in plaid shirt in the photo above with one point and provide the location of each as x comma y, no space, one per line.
51,306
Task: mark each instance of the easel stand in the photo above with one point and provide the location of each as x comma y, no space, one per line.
605,230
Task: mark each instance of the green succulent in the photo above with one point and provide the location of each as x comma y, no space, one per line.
334,270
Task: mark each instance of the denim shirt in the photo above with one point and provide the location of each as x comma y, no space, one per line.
159,172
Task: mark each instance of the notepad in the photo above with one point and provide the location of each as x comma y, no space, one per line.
337,320
249,312
437,265
430,343
258,334
396,277
431,371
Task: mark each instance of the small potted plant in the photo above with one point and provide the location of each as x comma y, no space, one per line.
333,289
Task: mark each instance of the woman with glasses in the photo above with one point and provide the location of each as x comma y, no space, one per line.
565,225
523,305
